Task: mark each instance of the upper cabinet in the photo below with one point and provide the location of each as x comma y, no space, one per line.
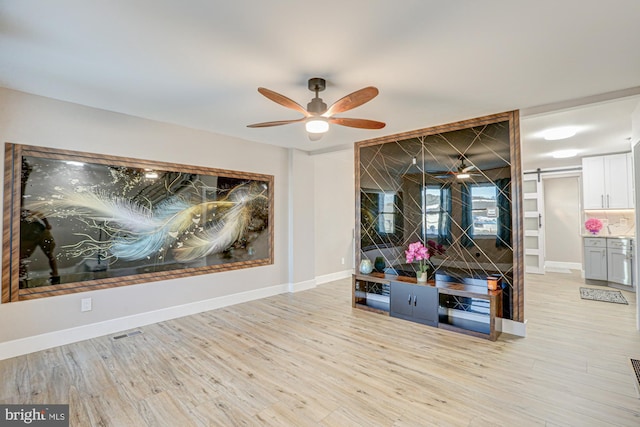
607,182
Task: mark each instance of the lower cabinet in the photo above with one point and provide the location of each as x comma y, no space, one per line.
609,260
417,303
620,261
595,258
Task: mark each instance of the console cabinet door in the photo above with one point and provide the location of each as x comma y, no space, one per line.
401,299
425,305
417,303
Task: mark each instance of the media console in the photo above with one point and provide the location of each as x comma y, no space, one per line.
468,309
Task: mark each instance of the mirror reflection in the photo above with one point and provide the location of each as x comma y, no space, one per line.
452,192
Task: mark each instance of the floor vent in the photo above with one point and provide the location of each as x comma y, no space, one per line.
635,365
130,334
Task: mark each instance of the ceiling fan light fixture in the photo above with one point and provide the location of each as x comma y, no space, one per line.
317,125
463,175
317,116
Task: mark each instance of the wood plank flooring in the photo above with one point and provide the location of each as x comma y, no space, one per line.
309,359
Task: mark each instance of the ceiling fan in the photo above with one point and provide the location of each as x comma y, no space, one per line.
463,171
317,116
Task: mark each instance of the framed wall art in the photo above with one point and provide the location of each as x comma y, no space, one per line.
77,221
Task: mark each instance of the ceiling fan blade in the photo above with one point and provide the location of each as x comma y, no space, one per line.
357,123
276,123
283,100
444,175
352,101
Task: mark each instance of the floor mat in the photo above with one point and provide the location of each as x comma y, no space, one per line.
605,295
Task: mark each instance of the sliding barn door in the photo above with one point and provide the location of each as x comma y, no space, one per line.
533,224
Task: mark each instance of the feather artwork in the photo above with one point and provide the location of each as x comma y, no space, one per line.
172,223
219,237
225,231
136,232
98,207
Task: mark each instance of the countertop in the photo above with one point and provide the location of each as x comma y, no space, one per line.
610,236
614,231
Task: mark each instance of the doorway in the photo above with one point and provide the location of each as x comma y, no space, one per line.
563,242
552,211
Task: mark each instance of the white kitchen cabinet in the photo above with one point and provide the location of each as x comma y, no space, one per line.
595,258
619,260
607,182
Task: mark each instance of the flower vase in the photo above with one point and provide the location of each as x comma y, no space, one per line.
366,266
421,277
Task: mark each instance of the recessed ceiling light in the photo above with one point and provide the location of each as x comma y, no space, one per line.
564,154
564,132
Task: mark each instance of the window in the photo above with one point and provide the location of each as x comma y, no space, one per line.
436,205
484,210
380,218
432,208
386,213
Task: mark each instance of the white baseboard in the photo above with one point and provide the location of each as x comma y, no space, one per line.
302,286
333,276
31,344
512,327
561,264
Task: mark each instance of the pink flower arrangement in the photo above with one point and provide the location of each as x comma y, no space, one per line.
418,252
593,225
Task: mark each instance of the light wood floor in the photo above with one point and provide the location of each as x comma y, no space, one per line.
310,359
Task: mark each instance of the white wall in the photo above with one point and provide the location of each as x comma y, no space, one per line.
34,120
301,213
563,247
334,211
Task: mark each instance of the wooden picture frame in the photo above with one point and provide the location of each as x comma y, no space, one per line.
76,221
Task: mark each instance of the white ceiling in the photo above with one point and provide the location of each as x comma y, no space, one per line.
198,63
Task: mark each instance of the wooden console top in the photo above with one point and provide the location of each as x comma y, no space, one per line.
445,287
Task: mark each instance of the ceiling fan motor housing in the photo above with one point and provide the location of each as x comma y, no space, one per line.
316,106
317,84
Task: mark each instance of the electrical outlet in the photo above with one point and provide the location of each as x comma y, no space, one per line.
342,261
85,304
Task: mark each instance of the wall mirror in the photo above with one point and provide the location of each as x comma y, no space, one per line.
455,188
